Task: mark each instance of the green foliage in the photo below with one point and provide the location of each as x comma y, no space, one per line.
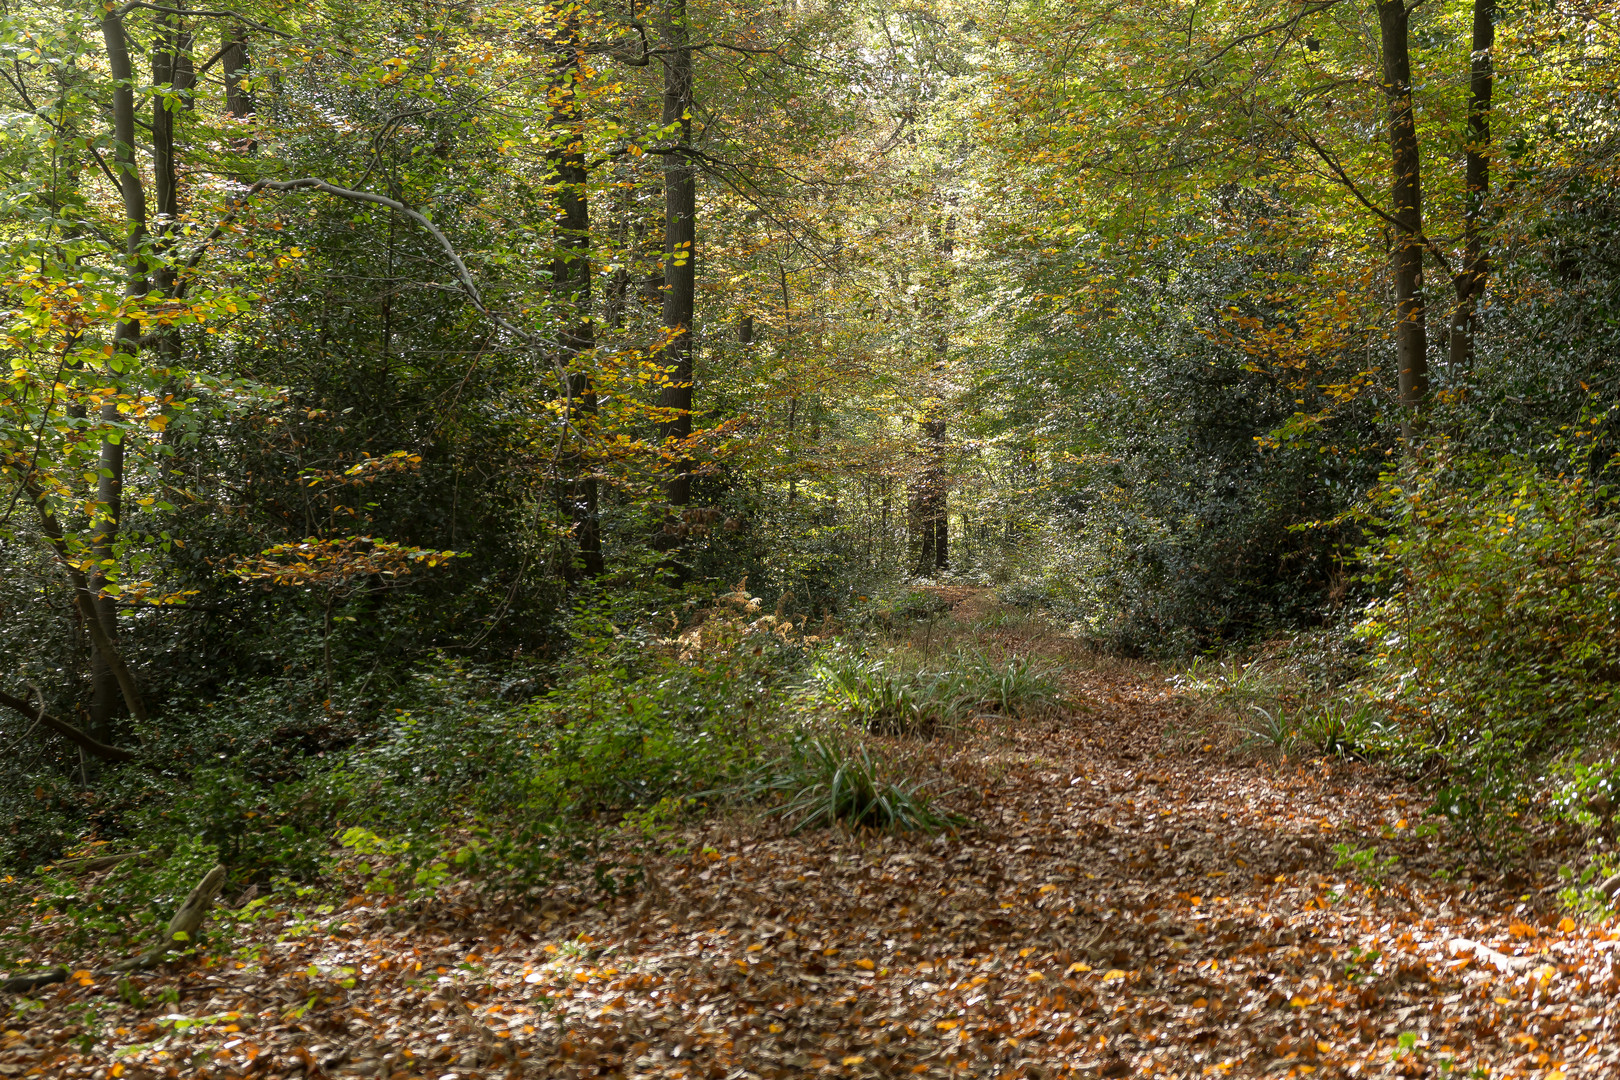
1343,728
824,781
1271,731
1230,684
1365,863
902,693
1495,646
1588,793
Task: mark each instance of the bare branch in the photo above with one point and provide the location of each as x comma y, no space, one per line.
235,16
82,739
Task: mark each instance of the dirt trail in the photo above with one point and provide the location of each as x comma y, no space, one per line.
1127,907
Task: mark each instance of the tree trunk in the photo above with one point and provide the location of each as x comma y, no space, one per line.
110,485
680,268
1411,336
616,298
930,505
571,281
84,599
1471,278
234,62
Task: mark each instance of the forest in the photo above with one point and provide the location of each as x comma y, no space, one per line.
747,539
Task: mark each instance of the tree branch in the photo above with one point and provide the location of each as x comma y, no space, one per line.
232,15
1284,24
82,739
463,275
1344,178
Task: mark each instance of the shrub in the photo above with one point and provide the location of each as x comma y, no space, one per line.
1496,643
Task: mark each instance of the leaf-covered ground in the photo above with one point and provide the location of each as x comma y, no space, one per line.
1129,905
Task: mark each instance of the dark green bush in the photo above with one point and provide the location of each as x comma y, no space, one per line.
1496,643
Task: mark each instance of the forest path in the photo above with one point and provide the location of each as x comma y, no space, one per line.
1129,904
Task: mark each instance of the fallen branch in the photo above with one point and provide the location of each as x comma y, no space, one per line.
78,737
181,930
23,984
183,927
1610,887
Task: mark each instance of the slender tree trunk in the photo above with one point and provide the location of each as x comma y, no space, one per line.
571,280
617,298
930,511
167,71
84,598
105,697
1471,278
172,68
1411,335
680,267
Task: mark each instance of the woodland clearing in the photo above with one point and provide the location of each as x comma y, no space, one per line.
1130,901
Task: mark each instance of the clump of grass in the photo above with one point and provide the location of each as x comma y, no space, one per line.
1011,687
882,696
1223,684
825,781
1331,727
1344,729
901,694
1270,732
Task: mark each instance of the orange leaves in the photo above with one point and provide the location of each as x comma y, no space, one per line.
339,563
895,956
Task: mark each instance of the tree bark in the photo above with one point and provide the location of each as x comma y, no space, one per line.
571,282
72,733
234,62
930,506
110,487
680,267
1411,335
84,600
1471,278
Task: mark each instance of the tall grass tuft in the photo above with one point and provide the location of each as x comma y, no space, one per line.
824,781
901,694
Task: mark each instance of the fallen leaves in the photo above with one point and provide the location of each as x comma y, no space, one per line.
1192,926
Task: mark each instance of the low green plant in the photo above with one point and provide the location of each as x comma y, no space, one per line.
1583,893
1361,964
823,781
1014,687
1230,684
1270,731
1587,793
1342,729
1486,794
880,695
1365,863
901,693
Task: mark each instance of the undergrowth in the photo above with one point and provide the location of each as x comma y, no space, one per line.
823,781
904,692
